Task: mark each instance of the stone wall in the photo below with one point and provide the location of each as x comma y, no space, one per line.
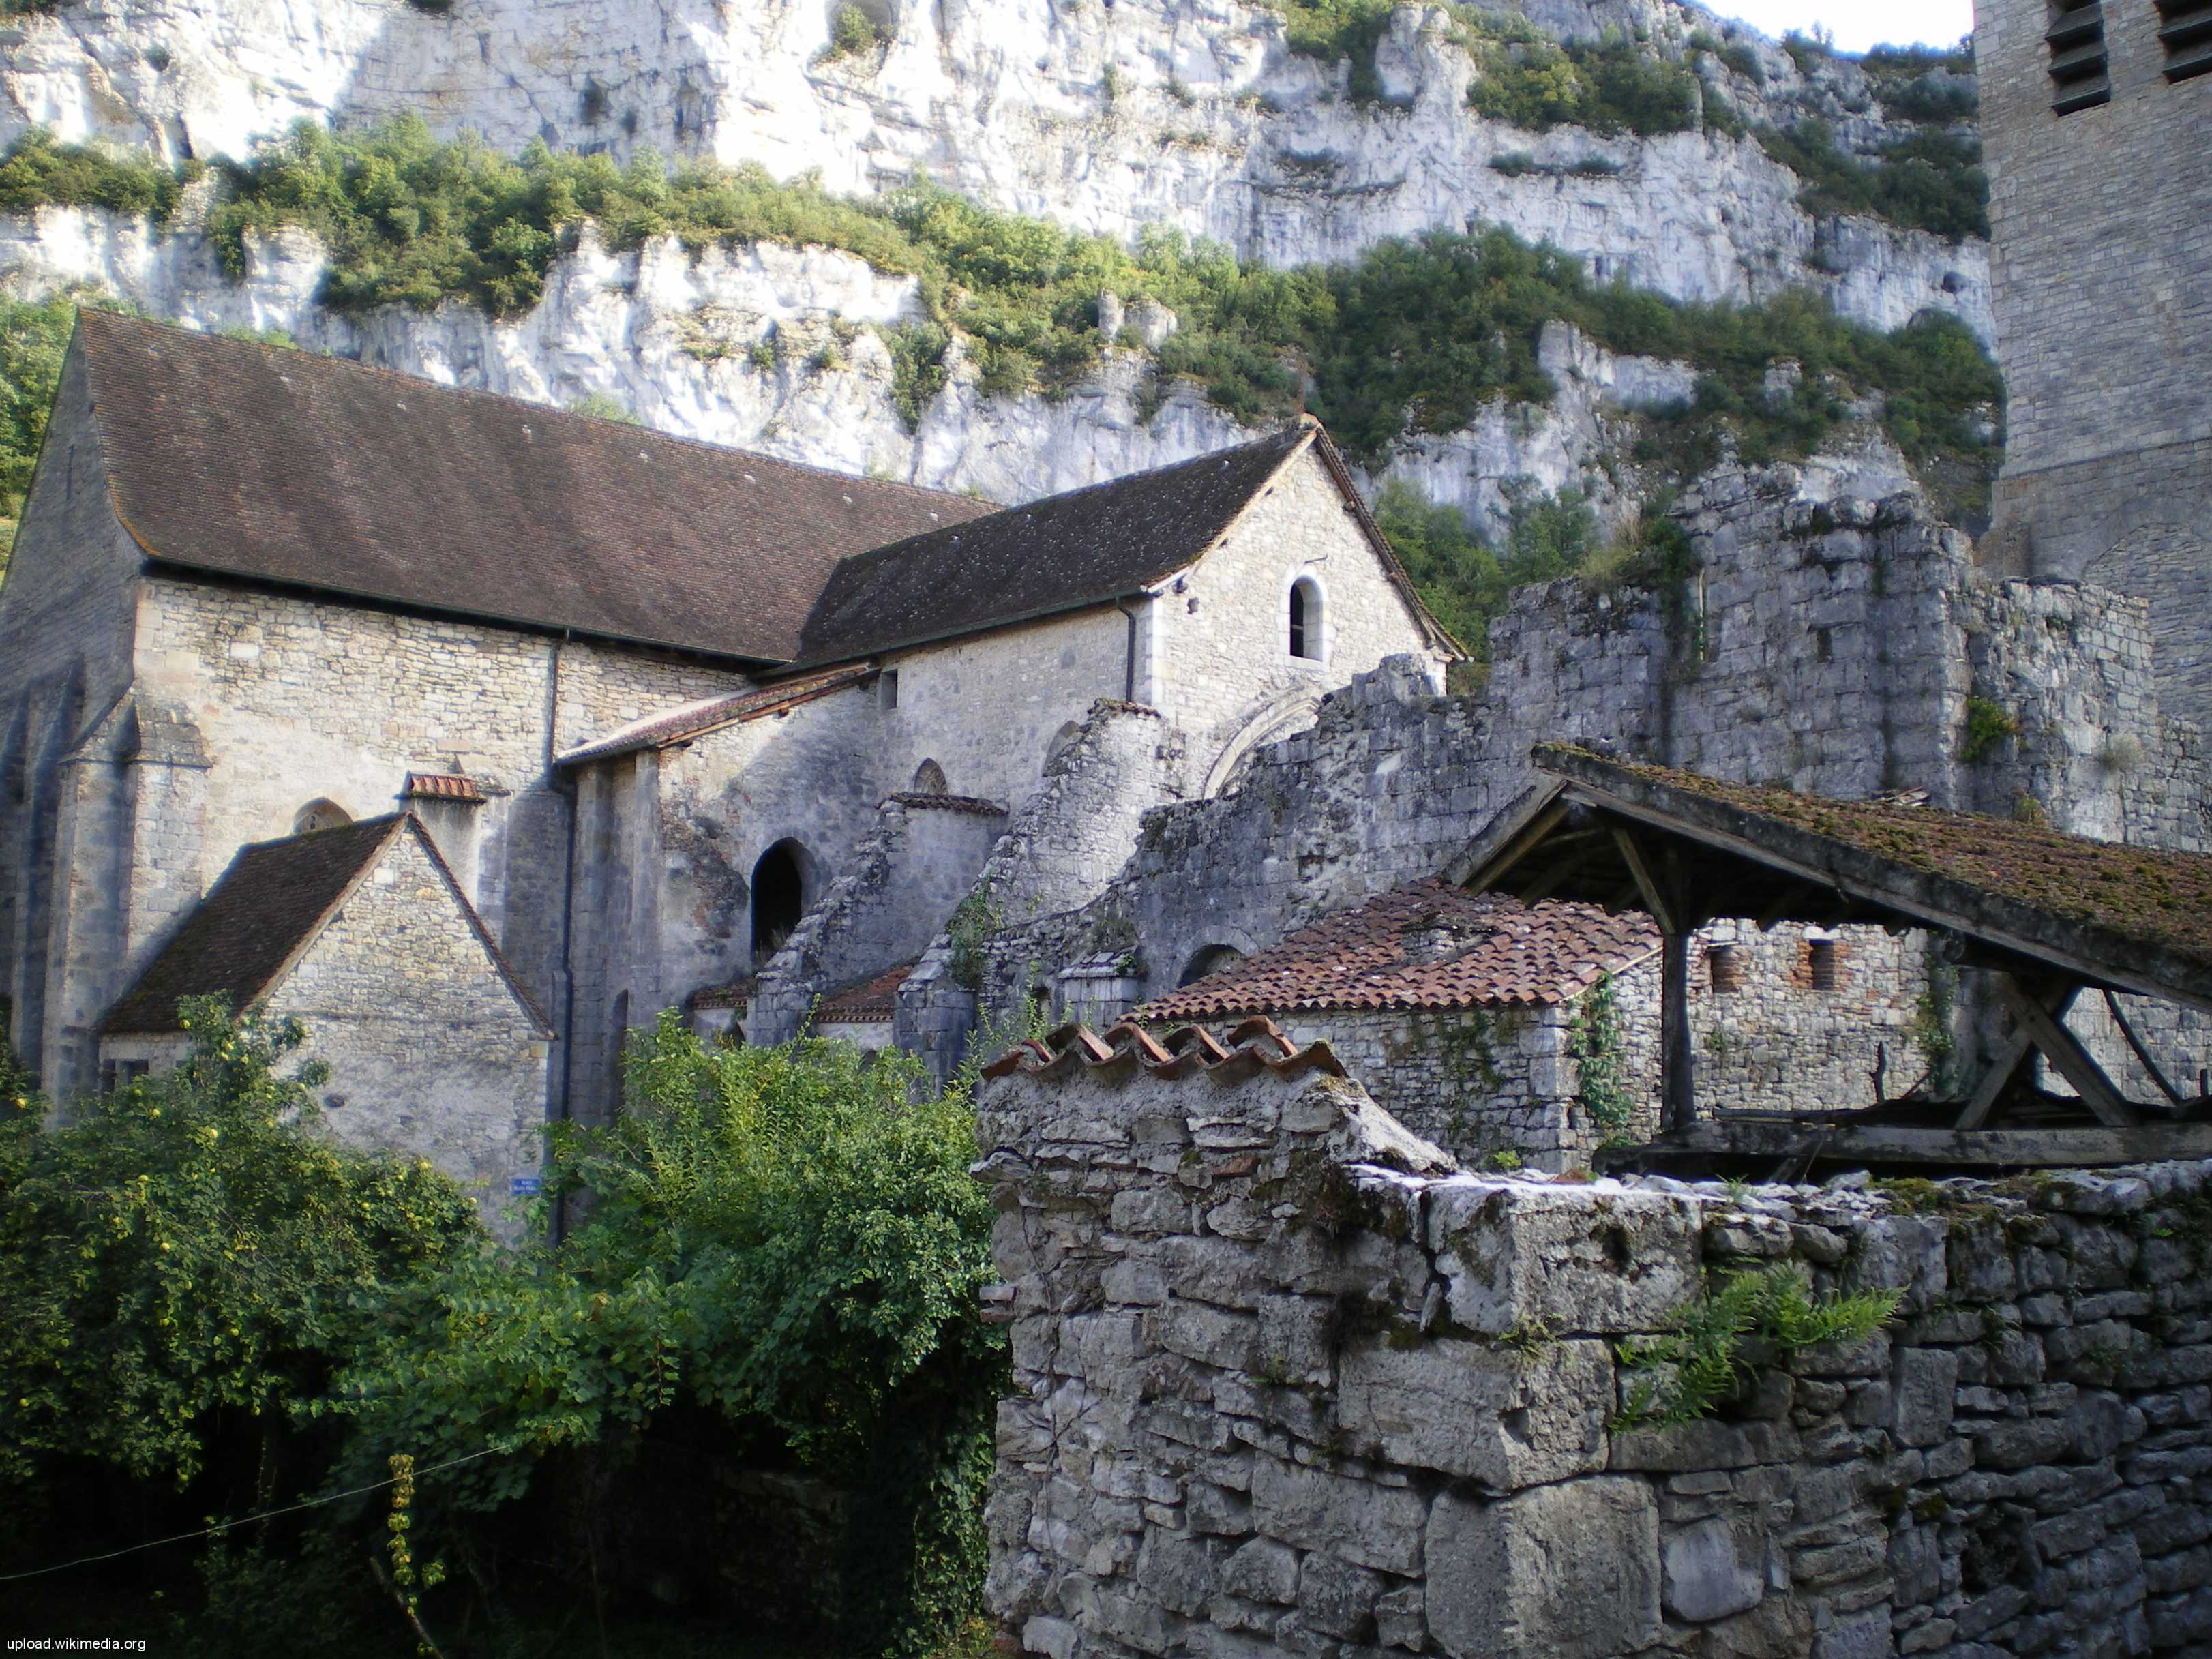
1223,661
2102,275
900,883
1282,1385
430,1051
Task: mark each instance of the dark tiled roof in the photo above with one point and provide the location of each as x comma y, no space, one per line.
1427,945
696,720
442,786
1087,547
1994,871
267,908
735,995
253,461
1189,1051
871,1000
267,904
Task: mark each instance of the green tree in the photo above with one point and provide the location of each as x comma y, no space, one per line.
191,1244
33,336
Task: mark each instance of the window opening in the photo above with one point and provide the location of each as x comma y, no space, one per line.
1305,619
1824,963
887,689
319,814
2185,29
2076,36
1724,969
929,779
779,898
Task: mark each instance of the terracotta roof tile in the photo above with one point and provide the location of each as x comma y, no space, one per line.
441,786
865,1001
249,460
735,995
1255,1045
1427,945
973,804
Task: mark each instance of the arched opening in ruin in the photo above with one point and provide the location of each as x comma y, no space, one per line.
1058,746
1209,959
319,814
929,780
779,897
1306,638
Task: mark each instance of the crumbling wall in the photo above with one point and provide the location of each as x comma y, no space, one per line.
1282,1384
900,882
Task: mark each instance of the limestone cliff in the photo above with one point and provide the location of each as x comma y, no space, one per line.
1190,114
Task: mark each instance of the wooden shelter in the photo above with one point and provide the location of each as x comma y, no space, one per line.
2046,916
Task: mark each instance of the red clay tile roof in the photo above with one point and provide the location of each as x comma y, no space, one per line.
1087,547
735,995
696,720
1188,1051
268,907
1427,945
441,786
871,1000
247,460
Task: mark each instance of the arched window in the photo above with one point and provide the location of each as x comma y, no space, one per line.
1210,959
779,897
1306,619
929,779
319,814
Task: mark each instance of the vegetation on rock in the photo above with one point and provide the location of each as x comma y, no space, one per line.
33,335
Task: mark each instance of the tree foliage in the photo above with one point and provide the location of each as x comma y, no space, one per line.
786,1238
189,1244
33,335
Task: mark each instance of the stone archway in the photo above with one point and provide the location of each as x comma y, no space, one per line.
1279,720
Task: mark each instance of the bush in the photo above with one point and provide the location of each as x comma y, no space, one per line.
1613,85
852,31
1931,181
775,1238
38,172
190,1246
33,336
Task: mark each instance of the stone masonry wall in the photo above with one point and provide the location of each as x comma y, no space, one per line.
429,1050
1280,1385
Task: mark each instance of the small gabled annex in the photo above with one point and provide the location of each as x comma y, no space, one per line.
362,932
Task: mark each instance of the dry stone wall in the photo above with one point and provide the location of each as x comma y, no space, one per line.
1282,1383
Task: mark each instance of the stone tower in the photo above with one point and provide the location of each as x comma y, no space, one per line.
2097,124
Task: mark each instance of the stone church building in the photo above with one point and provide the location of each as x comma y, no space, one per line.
546,723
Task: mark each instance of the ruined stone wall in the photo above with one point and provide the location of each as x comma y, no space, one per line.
1781,1043
1271,1396
899,884
1222,641
429,1050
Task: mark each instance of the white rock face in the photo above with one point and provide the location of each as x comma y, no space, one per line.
1192,114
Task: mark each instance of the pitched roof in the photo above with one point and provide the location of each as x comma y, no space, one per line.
241,459
1087,547
696,720
1430,944
2133,918
268,907
871,1000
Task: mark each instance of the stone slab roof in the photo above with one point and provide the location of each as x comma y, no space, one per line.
239,459
2132,918
1066,552
696,720
870,1001
1428,945
263,913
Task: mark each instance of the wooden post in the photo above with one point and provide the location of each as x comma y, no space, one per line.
1678,1091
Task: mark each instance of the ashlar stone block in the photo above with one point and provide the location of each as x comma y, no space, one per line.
1498,1415
1569,1571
